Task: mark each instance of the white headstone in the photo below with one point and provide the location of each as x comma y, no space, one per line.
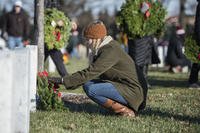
18,73
6,80
162,53
33,75
21,90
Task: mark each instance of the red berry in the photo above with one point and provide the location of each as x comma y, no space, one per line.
147,14
59,94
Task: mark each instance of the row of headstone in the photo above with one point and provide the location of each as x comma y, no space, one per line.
18,70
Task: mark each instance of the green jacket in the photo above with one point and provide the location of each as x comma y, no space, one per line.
113,65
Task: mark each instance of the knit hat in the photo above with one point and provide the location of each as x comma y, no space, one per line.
95,30
18,3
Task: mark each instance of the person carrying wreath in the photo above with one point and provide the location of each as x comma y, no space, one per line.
111,79
55,40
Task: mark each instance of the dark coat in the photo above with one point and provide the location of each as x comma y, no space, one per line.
140,50
113,65
175,55
143,52
16,25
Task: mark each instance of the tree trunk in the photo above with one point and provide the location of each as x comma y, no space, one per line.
182,14
39,32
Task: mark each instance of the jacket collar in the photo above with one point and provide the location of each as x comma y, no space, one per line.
106,40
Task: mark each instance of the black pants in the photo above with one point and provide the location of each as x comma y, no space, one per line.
56,56
194,73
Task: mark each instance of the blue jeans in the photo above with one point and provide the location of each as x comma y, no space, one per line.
15,42
75,53
100,91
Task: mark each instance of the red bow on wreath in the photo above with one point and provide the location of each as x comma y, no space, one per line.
57,35
145,6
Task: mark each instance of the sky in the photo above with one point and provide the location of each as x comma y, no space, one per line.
100,5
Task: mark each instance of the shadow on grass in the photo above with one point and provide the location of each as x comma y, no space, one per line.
95,109
168,83
86,107
164,114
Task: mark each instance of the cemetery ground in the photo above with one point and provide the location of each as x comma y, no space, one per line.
171,107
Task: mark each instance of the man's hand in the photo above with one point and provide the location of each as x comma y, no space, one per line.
55,80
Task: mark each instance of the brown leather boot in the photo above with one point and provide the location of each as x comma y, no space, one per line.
119,108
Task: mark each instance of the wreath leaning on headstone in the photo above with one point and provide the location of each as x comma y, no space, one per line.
57,29
140,18
48,94
192,50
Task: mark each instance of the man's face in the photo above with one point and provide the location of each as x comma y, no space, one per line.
17,9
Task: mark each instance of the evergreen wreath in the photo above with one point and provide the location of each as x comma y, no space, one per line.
192,49
57,29
140,18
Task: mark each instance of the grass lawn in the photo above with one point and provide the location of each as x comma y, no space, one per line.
171,107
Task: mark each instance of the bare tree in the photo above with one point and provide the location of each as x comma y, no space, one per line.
39,32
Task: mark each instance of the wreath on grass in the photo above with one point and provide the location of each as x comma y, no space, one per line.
140,18
192,49
57,29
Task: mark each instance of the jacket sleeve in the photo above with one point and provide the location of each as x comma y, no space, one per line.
26,27
179,51
197,23
106,58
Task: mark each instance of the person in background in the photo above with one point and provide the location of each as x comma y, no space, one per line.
193,79
55,54
175,57
140,50
16,24
72,47
111,79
